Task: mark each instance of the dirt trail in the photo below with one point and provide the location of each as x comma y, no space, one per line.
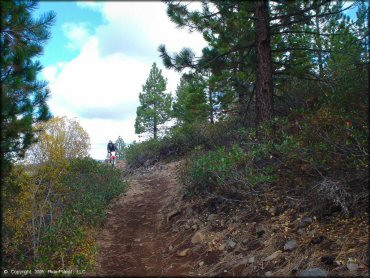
137,238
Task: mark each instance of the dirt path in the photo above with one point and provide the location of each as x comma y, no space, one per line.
137,239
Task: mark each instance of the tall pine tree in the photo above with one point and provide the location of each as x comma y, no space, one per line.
155,104
23,96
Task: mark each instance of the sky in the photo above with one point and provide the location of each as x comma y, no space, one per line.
99,56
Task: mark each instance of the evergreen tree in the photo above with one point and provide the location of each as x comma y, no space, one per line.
155,104
259,47
23,96
191,103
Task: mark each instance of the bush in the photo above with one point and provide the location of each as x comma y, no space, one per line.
68,207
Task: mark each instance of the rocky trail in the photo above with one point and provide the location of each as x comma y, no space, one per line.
137,237
151,230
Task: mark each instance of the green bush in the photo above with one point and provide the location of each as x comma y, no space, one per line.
90,188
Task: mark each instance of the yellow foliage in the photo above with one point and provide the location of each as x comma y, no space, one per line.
58,139
34,192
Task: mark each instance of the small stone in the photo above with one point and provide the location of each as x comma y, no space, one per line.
170,247
318,240
313,272
272,256
245,241
139,205
268,273
189,211
352,267
251,260
211,217
222,247
184,252
300,231
272,210
187,226
172,214
201,263
198,237
328,260
260,230
231,244
305,222
194,227
137,239
290,245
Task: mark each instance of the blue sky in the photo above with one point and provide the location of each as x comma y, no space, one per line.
100,55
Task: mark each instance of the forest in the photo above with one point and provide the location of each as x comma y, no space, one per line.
275,108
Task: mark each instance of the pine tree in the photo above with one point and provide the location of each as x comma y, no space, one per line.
155,104
23,96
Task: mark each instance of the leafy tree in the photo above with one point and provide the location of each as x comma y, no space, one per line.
23,96
34,191
58,139
155,104
121,146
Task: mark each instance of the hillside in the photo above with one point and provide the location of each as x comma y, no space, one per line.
152,230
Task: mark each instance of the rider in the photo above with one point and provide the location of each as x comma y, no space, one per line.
111,148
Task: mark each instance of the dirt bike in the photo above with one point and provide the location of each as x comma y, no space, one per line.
113,158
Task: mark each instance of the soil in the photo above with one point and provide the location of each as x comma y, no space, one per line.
149,232
137,237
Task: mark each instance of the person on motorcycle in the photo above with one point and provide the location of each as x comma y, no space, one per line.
111,148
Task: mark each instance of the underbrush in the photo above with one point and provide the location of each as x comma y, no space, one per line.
319,158
49,221
183,140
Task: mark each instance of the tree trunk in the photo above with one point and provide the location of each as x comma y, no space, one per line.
264,87
318,43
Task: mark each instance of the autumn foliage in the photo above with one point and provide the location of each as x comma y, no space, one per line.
52,203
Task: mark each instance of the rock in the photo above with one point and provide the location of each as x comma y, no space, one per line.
300,231
268,273
272,256
251,260
194,227
222,247
201,263
245,241
260,230
328,260
198,237
184,252
137,239
170,247
290,245
352,266
172,214
305,222
189,211
187,226
211,217
318,240
231,244
313,272
273,211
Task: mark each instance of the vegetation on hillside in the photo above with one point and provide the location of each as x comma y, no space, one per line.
276,103
53,202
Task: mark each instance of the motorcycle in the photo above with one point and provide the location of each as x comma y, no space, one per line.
113,158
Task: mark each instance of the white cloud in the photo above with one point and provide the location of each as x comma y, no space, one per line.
77,33
101,85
